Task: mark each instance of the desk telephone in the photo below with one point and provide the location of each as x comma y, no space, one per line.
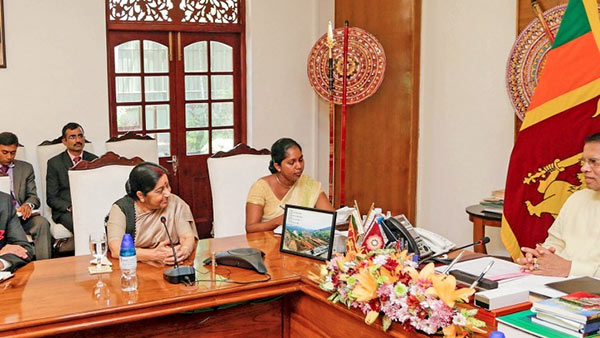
398,228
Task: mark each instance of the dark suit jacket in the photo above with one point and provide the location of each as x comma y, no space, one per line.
12,233
58,192
24,184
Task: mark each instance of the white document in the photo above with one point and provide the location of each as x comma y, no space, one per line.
4,275
536,284
499,269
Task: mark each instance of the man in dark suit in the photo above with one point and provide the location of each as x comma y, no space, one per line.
15,251
58,192
24,195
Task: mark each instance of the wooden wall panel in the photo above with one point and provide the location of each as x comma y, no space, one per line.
382,131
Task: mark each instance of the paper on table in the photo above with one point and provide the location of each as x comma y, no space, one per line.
4,275
536,284
501,268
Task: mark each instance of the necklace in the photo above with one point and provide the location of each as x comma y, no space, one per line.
283,185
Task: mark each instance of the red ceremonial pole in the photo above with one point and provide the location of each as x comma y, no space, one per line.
331,117
343,121
537,9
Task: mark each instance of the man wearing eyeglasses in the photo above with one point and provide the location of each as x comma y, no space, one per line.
571,247
58,192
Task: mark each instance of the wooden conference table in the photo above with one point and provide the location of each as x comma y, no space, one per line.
59,297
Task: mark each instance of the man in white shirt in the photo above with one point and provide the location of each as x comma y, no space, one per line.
571,247
15,250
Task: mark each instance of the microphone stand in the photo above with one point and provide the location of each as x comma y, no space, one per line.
482,241
177,274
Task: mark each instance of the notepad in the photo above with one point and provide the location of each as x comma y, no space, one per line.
4,275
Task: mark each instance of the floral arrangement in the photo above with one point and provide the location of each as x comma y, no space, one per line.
386,282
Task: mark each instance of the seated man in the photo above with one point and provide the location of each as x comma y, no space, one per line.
571,247
15,251
58,191
24,195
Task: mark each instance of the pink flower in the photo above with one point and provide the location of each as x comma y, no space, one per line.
1,234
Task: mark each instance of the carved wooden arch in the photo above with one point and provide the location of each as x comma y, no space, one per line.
107,159
56,141
241,149
130,135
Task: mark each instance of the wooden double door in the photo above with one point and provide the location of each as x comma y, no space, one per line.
184,89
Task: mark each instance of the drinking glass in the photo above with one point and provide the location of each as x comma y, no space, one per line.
98,246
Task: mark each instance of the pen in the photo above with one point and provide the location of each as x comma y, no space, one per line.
487,268
454,261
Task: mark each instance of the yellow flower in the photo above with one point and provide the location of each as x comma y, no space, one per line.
371,316
366,288
426,273
444,286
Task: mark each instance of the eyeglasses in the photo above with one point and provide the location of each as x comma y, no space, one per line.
72,137
592,162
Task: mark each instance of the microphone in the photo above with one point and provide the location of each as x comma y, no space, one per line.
177,274
482,241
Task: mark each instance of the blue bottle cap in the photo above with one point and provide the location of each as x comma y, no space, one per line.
127,246
415,258
496,334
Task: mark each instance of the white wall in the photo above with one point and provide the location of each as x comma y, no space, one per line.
466,120
56,70
281,102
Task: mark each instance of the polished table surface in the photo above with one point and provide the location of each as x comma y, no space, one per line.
60,296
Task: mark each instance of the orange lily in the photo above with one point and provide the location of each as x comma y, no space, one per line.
367,286
444,286
425,274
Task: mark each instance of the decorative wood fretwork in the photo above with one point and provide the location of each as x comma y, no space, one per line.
130,135
109,158
174,12
241,149
210,11
140,10
55,141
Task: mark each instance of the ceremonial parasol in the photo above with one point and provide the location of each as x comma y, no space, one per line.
364,69
528,56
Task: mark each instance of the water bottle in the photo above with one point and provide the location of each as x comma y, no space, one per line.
128,264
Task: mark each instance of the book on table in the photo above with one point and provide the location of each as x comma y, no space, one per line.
581,307
558,327
520,324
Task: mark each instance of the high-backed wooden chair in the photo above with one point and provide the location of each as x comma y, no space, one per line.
134,145
45,151
21,155
95,186
231,174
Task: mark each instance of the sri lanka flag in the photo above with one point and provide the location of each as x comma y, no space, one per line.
544,165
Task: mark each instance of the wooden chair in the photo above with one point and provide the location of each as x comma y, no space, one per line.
131,145
231,174
95,186
63,242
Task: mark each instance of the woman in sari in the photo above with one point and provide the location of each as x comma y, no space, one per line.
141,212
286,185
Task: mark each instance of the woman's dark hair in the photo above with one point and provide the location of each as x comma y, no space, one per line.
279,151
143,177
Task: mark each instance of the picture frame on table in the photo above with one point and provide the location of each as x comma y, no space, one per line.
2,39
308,232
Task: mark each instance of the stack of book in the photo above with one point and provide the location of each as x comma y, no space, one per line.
494,203
576,314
